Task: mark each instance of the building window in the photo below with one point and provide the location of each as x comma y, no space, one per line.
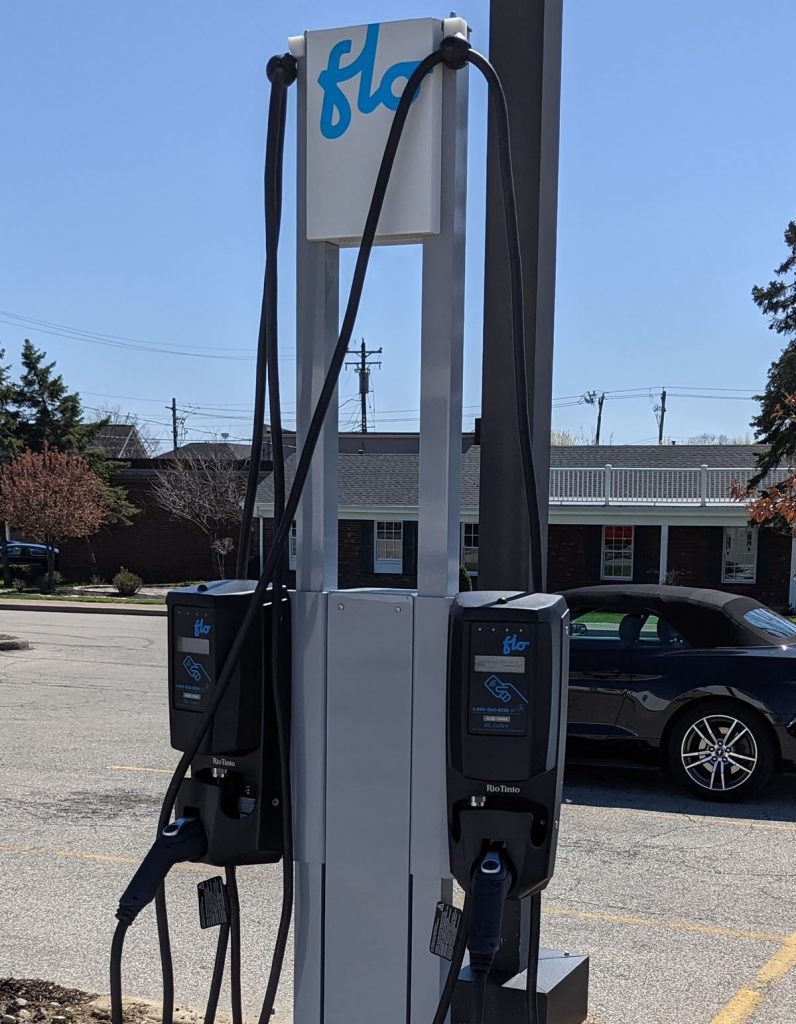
389,541
739,564
292,547
469,553
617,560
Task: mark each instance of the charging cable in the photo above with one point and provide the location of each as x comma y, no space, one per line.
491,882
454,53
182,840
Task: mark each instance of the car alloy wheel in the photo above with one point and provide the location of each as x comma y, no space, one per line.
719,753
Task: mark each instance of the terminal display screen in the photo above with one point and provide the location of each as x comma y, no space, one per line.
499,685
193,645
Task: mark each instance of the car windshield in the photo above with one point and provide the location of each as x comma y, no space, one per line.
773,624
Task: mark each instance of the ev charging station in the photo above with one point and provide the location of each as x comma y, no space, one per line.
426,728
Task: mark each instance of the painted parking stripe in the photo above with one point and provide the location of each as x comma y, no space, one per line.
550,909
137,768
105,858
746,1002
553,910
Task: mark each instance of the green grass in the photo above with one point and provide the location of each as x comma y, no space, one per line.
13,595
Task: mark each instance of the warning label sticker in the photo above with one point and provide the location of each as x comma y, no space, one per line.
446,927
212,902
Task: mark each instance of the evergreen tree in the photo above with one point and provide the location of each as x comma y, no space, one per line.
46,411
775,425
8,441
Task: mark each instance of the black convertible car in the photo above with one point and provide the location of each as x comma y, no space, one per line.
704,680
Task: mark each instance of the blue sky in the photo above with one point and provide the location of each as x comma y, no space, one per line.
130,206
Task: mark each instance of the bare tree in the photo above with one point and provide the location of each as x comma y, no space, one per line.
205,485
720,439
143,431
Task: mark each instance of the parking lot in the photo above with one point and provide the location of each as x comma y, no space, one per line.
686,909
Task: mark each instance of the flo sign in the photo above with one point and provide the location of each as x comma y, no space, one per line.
335,108
354,79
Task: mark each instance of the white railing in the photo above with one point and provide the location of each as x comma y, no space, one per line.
621,485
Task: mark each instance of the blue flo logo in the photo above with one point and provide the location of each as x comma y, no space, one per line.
200,629
512,644
336,110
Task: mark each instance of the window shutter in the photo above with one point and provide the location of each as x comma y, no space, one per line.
409,553
366,545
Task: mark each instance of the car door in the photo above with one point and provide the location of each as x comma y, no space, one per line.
661,669
599,672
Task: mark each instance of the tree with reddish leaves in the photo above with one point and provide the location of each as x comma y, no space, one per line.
52,496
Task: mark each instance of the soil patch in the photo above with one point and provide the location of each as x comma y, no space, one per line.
33,1001
12,643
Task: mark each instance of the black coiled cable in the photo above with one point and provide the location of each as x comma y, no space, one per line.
283,527
454,53
458,53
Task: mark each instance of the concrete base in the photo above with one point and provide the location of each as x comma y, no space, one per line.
563,990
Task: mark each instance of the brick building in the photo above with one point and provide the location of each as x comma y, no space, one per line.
617,512
156,546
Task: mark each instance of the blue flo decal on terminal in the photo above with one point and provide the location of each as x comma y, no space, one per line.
200,629
336,110
504,692
511,643
195,670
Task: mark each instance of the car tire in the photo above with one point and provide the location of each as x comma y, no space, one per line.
721,750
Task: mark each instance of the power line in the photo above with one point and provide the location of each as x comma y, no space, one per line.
34,326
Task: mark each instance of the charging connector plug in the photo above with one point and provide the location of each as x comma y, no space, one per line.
181,840
491,883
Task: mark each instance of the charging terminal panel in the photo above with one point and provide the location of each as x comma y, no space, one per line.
234,787
507,685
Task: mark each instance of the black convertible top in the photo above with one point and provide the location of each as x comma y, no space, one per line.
704,618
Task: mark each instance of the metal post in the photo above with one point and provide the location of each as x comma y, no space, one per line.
442,346
663,565
317,317
525,47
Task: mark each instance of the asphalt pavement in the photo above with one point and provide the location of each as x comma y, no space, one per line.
686,909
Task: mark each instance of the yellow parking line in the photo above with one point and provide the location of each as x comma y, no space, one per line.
135,768
551,910
716,821
106,858
744,1003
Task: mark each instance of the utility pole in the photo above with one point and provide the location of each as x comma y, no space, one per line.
363,370
590,398
177,423
174,423
660,414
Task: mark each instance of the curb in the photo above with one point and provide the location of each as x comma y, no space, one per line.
83,606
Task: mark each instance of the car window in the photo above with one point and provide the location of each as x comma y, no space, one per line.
775,625
658,633
600,627
624,629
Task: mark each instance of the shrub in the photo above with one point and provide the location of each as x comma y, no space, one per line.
465,583
19,584
96,581
126,582
44,587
